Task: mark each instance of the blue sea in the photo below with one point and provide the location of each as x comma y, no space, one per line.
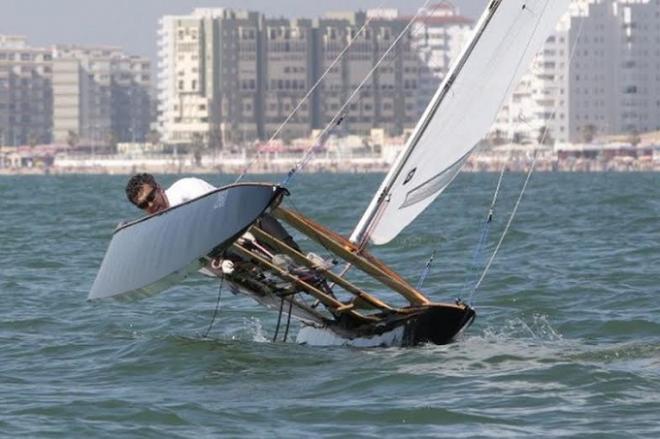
566,342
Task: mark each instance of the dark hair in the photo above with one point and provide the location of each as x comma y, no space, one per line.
135,184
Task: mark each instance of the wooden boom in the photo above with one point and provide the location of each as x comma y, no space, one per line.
348,251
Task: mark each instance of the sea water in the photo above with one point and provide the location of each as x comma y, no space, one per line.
566,342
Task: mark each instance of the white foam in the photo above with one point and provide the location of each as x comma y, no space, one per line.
325,337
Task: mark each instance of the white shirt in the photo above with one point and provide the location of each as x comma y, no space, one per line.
186,189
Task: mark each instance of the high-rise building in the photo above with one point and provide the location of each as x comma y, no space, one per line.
439,34
288,75
537,110
25,92
597,75
388,95
100,96
236,76
209,90
614,81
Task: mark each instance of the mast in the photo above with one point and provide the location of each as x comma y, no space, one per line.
360,235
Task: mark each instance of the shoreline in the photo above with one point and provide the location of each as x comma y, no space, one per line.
208,171
476,163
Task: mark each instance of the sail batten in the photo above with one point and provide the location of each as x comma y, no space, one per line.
506,37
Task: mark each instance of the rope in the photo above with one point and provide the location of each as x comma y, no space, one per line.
308,154
508,224
279,319
485,230
426,271
288,320
215,312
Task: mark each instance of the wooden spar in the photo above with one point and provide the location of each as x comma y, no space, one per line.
326,299
248,283
352,247
301,259
348,251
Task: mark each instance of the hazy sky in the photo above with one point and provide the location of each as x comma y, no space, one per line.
132,24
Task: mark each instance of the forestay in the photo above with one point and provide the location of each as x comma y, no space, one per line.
150,254
506,37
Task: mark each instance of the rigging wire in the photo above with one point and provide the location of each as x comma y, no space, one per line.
307,95
529,175
508,224
489,218
485,230
338,117
217,307
426,271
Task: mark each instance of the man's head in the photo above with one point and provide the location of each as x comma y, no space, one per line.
143,191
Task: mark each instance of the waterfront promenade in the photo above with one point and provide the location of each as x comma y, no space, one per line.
514,158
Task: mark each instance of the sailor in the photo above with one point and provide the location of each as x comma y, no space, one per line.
144,192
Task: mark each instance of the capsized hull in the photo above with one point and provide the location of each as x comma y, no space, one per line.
150,254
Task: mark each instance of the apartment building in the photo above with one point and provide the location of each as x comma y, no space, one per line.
597,75
398,91
614,81
439,34
288,75
255,71
537,110
387,96
25,92
208,83
100,96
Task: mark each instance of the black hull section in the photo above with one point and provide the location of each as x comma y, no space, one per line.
435,323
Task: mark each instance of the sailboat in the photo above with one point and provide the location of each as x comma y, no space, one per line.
151,254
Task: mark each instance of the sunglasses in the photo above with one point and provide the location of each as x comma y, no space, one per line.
148,199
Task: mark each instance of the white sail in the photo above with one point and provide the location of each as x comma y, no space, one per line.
505,39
